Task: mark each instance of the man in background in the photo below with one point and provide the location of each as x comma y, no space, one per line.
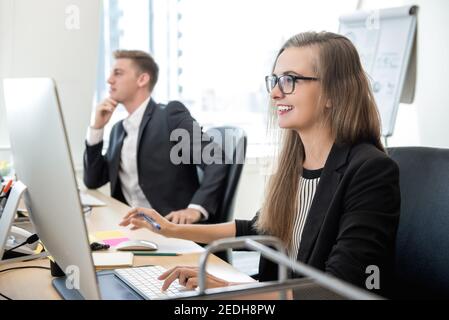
137,162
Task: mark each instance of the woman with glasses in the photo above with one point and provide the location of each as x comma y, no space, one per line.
334,198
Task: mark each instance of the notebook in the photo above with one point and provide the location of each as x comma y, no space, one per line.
112,260
88,200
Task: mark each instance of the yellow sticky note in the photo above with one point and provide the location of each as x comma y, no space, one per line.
103,235
39,248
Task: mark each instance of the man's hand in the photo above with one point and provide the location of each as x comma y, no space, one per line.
104,112
185,216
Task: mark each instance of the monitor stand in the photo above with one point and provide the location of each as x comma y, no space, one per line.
111,288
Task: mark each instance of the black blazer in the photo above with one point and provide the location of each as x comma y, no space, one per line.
166,185
353,218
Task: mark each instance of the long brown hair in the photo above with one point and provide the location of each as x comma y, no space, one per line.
352,118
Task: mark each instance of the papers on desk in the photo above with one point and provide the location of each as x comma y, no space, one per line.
174,245
165,245
91,201
112,260
112,238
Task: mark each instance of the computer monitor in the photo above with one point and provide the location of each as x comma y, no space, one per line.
43,162
8,214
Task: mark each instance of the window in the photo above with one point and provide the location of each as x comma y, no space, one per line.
124,25
214,54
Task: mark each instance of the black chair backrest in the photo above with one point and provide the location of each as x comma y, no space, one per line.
422,243
233,141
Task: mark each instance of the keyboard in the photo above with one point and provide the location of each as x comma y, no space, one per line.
144,281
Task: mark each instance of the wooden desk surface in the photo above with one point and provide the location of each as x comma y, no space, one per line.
36,283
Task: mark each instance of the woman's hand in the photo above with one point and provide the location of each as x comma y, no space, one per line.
136,218
188,277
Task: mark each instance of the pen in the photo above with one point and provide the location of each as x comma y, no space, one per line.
160,254
150,220
7,187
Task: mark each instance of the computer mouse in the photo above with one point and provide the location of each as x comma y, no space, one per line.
136,245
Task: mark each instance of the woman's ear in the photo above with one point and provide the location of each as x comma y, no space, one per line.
328,104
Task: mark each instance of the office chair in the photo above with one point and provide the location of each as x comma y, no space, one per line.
233,141
422,242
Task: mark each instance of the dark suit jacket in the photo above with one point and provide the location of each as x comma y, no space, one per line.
166,185
353,218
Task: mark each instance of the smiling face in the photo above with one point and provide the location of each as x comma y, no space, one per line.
300,109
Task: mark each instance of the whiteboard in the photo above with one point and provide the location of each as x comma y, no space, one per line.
384,39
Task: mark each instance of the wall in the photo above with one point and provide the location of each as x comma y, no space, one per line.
57,39
432,95
5,56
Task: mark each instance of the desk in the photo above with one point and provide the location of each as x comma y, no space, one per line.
36,283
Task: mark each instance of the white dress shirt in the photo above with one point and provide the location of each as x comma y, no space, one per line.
128,172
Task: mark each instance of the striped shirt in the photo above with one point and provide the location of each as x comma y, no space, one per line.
307,188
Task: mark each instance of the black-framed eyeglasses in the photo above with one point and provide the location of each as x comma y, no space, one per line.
286,82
